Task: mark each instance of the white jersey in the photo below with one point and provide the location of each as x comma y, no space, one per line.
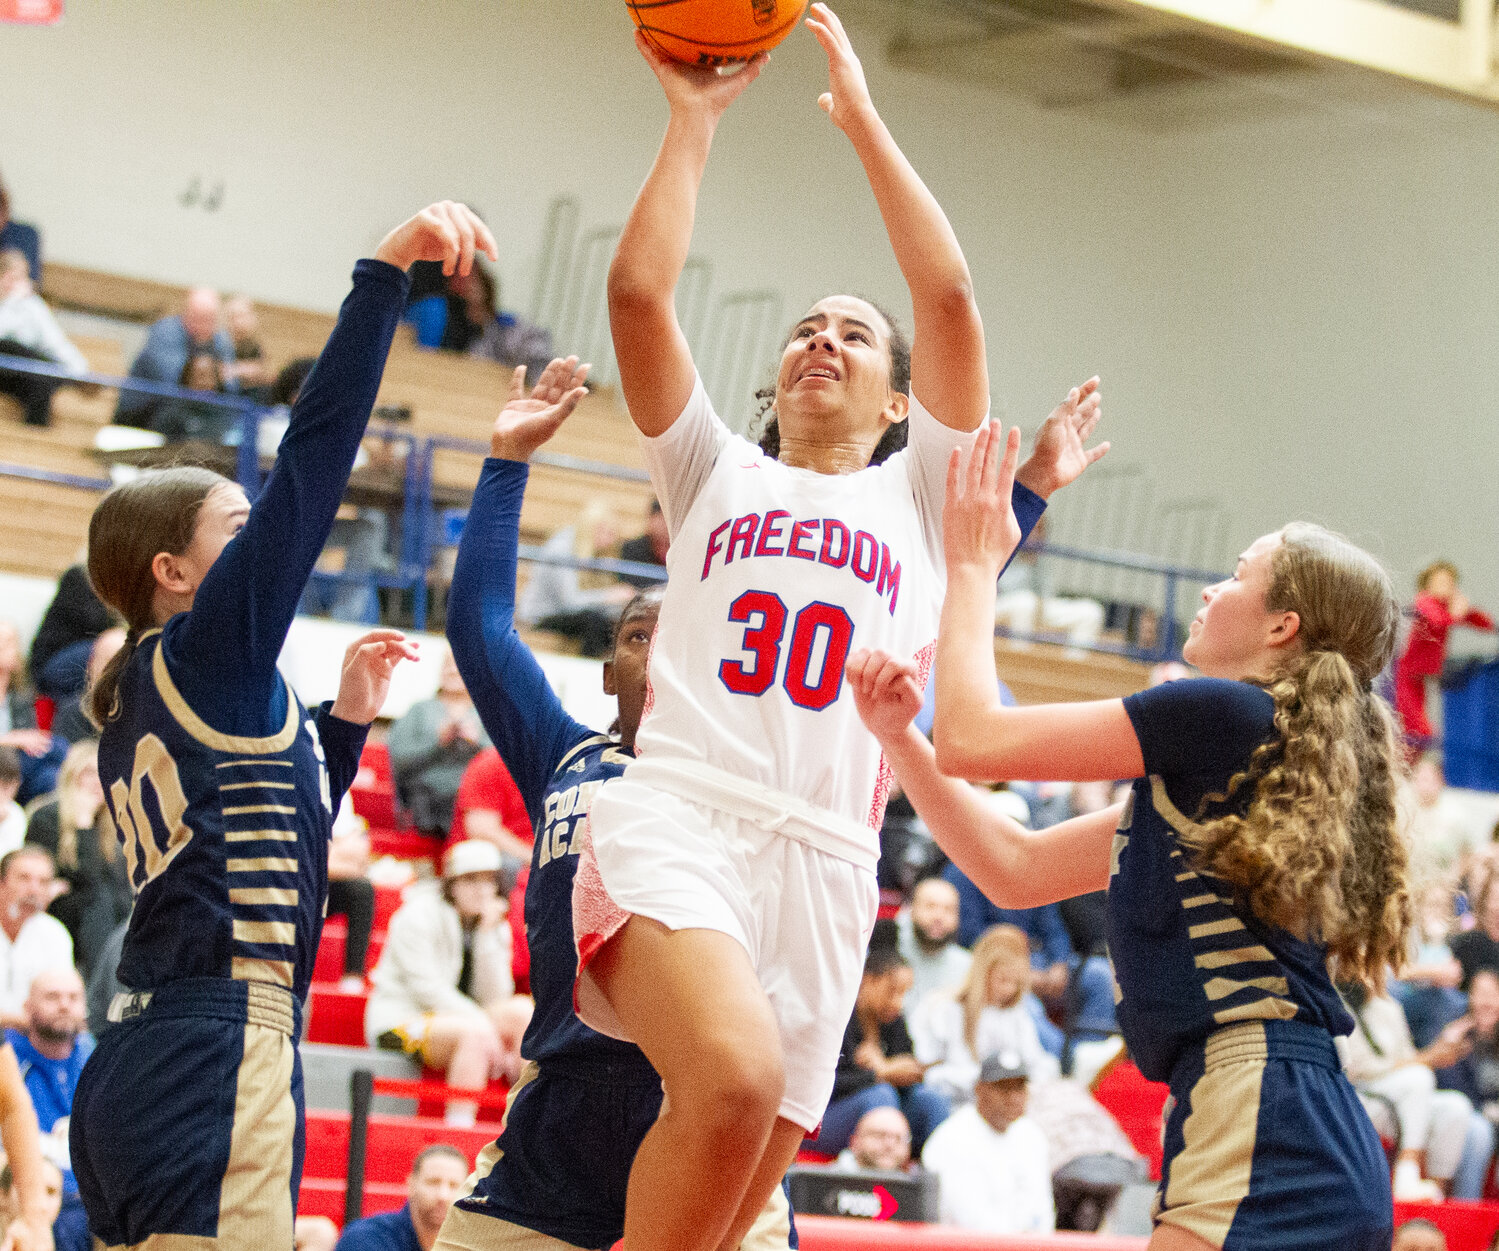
777,574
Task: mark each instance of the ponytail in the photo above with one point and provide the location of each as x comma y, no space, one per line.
101,702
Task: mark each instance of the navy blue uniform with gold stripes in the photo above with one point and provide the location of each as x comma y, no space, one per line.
187,1124
584,1101
1267,1146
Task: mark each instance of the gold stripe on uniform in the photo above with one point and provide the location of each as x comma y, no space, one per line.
244,786
244,810
279,933
1208,928
248,969
279,896
1197,901
280,764
260,836
1269,1009
206,734
1185,877
255,1200
262,864
1223,987
1218,959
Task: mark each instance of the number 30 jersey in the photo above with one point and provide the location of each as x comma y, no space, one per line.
776,575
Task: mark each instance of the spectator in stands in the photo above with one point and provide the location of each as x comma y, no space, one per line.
1027,601
181,419
1428,985
249,369
928,931
649,548
877,1066
52,1051
314,1233
489,807
47,1211
12,815
555,597
954,1031
21,237
170,343
60,649
350,893
503,336
1478,948
1439,1132
30,940
1476,1074
1419,1234
1438,607
992,1159
27,328
74,828
437,1175
69,722
431,746
1442,838
1090,1157
38,753
442,988
881,1140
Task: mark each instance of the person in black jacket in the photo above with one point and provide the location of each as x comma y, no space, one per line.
877,1066
60,650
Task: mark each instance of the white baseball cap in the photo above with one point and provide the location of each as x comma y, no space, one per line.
472,855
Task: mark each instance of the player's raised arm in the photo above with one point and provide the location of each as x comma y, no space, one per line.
949,373
655,365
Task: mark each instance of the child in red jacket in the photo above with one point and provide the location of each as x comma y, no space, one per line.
1439,606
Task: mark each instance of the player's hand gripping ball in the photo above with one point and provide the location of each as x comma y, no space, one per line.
714,33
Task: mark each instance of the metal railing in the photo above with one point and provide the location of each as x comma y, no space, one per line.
419,516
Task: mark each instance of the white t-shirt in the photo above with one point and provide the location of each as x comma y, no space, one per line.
776,575
940,1040
43,943
997,1183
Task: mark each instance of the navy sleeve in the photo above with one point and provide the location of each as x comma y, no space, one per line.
522,714
223,653
1200,727
343,744
1028,508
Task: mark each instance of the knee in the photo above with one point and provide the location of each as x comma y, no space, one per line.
737,1083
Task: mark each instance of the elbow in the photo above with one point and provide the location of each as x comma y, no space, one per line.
954,300
959,758
631,290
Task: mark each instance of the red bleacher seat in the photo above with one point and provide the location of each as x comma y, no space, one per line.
330,952
373,791
387,900
335,1016
324,1196
403,844
1137,1105
392,1144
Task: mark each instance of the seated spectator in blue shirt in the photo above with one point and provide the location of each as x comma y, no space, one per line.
21,237
170,343
178,420
51,1054
437,1175
466,317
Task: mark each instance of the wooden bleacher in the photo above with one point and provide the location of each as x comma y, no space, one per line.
1046,673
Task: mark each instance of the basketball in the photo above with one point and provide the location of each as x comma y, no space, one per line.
712,33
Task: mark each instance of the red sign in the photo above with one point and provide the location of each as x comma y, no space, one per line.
31,12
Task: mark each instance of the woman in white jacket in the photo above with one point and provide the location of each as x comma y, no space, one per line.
954,1032
443,991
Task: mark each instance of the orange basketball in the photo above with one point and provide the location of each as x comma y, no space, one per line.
715,32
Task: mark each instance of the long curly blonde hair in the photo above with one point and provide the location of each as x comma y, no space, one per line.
999,944
1318,851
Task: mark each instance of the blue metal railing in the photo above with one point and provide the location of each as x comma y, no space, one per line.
418,541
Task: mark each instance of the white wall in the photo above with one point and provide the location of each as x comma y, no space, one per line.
1294,311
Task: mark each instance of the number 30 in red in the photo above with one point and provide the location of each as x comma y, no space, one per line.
763,615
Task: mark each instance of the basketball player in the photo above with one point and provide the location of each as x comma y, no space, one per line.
1259,843
187,1125
555,1178
723,909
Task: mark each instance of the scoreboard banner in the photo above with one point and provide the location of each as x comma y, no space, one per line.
31,12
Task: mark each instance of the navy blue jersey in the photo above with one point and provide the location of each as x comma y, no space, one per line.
558,763
222,788
1189,956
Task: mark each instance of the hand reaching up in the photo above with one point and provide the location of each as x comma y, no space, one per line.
365,681
979,529
847,98
528,421
1061,454
446,232
887,692
694,89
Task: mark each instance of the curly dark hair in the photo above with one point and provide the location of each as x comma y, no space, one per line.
894,437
